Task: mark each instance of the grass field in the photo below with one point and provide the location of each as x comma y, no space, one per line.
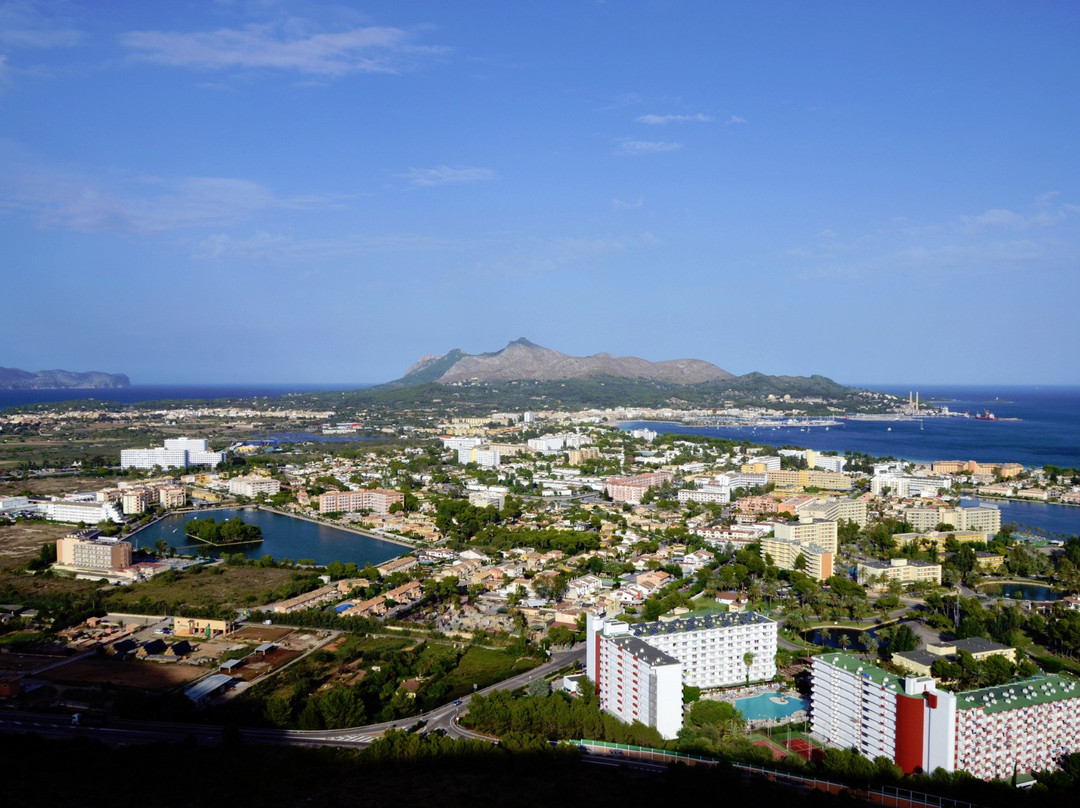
483,667
220,586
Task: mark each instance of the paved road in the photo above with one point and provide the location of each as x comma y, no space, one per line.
121,731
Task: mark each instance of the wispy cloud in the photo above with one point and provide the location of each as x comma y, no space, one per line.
265,246
23,25
662,120
1000,219
295,45
634,148
447,175
627,204
996,240
735,120
132,206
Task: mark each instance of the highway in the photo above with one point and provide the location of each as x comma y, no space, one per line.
119,732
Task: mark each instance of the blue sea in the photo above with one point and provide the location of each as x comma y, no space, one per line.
1047,429
1046,432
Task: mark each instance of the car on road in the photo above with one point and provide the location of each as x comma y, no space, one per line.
458,703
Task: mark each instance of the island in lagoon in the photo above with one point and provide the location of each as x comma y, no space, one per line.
225,533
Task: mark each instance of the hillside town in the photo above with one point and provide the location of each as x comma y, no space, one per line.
851,596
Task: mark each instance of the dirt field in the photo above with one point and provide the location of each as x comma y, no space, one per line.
21,542
47,486
25,663
256,665
144,675
261,634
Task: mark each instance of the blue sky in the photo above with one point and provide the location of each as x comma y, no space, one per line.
309,192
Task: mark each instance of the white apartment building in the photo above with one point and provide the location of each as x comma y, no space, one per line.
486,458
829,463
14,503
986,520
852,510
459,443
253,485
89,512
709,493
176,453
903,485
636,682
880,573
548,444
821,532
705,652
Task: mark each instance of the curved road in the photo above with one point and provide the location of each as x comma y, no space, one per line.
120,731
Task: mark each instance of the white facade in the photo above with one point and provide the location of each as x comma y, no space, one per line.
634,681
705,652
459,443
176,453
830,463
89,512
252,486
992,733
486,458
706,494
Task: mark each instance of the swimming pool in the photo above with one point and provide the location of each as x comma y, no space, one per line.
770,706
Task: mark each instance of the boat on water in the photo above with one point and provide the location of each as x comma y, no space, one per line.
986,416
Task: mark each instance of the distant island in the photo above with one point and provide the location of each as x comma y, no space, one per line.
231,531
15,379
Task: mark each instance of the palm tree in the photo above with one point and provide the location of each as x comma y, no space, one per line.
748,660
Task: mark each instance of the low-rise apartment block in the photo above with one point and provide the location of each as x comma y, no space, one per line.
376,500
88,549
879,573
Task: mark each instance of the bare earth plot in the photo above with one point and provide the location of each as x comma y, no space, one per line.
261,634
143,675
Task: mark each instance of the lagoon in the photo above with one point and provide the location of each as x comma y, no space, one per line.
1035,592
283,537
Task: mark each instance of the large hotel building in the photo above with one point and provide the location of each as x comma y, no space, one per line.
640,669
992,732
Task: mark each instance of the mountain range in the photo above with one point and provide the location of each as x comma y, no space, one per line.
15,379
523,360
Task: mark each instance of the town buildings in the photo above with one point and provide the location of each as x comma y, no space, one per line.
992,733
632,489
815,540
